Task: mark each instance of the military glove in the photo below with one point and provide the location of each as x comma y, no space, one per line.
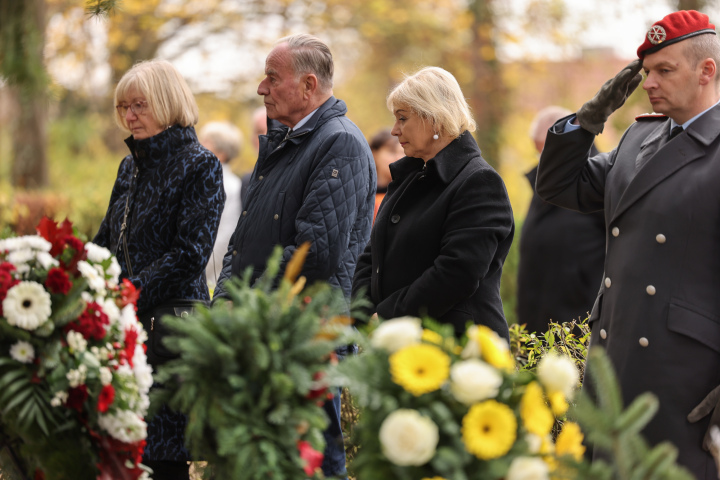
711,403
593,115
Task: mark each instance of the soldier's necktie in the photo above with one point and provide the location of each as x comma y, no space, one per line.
677,130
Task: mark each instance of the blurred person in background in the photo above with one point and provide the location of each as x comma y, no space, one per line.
162,220
259,125
386,149
561,251
224,140
440,239
314,182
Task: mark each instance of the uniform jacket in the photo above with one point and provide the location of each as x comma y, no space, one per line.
439,240
561,263
317,185
174,216
658,310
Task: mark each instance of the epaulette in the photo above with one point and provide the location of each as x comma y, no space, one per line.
651,116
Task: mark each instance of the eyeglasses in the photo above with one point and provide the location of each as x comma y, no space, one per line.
138,108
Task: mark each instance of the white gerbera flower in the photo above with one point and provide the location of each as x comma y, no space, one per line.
124,425
392,335
558,373
528,468
23,352
27,305
76,341
473,380
408,438
96,253
95,280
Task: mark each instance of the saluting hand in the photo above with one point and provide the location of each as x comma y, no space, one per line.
593,114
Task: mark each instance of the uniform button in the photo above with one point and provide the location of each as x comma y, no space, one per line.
615,231
643,342
608,282
650,290
234,252
603,333
260,177
660,238
244,213
395,218
377,270
276,216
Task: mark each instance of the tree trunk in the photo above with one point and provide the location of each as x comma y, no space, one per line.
29,169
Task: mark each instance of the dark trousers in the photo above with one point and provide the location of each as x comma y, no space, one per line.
333,464
168,470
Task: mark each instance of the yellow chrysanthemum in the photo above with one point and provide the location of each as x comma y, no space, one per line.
569,441
420,368
558,404
535,414
494,349
428,336
489,429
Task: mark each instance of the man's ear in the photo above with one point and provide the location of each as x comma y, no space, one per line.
709,69
309,84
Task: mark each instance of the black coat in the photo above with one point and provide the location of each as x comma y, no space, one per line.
658,311
561,263
439,240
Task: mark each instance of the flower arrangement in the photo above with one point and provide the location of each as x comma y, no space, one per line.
434,407
74,380
251,374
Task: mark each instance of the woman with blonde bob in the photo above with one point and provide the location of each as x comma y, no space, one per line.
162,221
445,226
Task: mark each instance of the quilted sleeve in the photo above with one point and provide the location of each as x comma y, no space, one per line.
336,194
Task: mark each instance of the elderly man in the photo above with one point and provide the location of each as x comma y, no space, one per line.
561,252
314,181
658,310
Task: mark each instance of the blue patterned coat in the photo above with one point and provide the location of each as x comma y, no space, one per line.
173,221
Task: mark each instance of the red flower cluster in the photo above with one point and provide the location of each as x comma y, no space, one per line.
77,397
131,336
6,281
91,323
313,458
58,281
106,398
128,294
114,455
65,246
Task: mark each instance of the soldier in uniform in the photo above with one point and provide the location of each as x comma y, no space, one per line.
658,310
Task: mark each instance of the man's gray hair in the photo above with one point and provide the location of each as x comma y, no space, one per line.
700,47
310,55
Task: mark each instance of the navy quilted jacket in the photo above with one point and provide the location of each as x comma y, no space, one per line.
174,215
318,185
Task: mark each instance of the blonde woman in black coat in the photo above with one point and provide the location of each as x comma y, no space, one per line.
445,225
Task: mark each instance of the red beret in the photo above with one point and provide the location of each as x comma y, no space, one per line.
673,28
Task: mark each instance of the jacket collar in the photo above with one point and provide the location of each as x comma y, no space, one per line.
445,165
150,152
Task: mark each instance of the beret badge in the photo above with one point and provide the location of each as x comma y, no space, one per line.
656,34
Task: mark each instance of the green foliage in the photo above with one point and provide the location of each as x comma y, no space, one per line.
616,431
21,42
248,371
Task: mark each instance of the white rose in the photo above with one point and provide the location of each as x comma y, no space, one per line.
474,380
407,438
27,305
124,425
96,253
392,335
558,373
528,468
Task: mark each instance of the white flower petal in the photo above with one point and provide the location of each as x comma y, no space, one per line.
392,335
408,438
27,305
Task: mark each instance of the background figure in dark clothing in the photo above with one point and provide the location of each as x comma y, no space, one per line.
561,251
386,149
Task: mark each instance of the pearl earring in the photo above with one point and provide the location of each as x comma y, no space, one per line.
435,137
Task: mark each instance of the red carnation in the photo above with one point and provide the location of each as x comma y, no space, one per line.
128,294
77,397
91,323
131,336
106,398
313,458
7,281
58,281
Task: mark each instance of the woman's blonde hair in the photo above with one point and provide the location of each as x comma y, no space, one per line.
434,95
167,93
